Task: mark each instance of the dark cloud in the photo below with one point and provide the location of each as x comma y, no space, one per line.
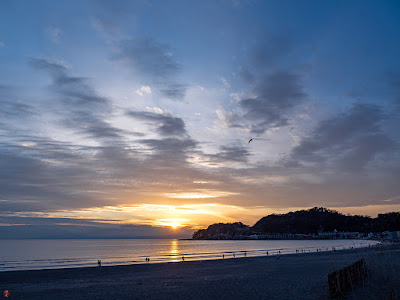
93,126
230,153
174,91
84,110
154,62
11,105
32,179
166,124
276,88
37,227
276,95
350,140
149,57
75,90
170,146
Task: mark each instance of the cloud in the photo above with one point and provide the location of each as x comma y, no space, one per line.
149,57
38,173
277,94
11,106
145,89
225,83
43,176
246,75
350,140
274,88
154,62
275,97
84,110
229,153
106,27
174,91
75,89
171,146
230,119
166,124
55,34
74,228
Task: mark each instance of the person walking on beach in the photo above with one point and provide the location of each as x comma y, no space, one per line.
99,263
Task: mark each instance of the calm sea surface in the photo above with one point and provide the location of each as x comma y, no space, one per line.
46,254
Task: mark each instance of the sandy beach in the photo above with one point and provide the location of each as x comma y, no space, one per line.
296,276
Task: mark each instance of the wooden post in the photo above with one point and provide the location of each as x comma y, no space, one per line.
342,280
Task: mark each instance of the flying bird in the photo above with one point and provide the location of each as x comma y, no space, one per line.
250,141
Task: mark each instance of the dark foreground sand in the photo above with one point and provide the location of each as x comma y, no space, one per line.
296,276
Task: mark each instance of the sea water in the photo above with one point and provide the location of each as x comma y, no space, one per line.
69,253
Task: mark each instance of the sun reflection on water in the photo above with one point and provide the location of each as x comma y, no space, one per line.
173,251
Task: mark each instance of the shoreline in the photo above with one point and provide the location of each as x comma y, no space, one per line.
296,276
238,254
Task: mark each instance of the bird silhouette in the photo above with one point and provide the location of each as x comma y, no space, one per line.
250,141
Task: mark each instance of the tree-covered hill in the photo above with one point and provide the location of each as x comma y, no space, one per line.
311,221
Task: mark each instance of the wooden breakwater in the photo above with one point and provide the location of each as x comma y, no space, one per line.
346,278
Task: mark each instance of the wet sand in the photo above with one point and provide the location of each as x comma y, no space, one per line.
295,276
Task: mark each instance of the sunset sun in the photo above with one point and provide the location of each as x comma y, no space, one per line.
173,223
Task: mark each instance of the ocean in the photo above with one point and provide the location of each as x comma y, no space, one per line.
70,253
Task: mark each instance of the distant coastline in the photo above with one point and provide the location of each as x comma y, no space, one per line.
317,223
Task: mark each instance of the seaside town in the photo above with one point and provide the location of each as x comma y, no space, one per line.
381,236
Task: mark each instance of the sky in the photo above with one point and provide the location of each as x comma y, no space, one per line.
133,118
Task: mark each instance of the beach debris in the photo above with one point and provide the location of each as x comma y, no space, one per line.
6,293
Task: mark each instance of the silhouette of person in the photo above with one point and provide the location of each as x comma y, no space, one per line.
99,263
